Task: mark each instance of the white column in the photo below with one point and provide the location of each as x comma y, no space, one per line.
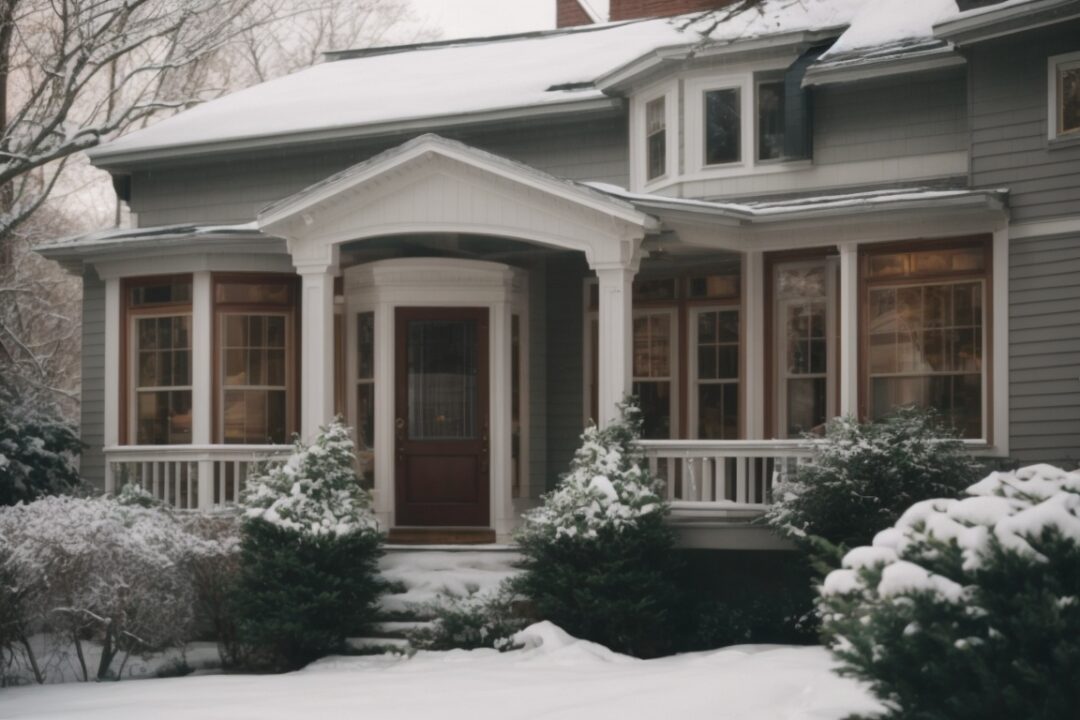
385,414
999,306
849,329
615,339
202,343
754,337
316,348
499,426
112,374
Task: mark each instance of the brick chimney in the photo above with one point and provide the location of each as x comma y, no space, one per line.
569,13
630,9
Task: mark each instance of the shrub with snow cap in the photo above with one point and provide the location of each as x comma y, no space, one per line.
606,489
598,556
968,608
862,476
308,558
315,492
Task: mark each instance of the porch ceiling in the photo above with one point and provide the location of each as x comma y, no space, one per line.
434,185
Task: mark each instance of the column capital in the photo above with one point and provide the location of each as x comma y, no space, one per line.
310,257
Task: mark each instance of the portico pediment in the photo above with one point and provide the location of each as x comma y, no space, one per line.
431,184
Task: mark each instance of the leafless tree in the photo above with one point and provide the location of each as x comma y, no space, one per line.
74,73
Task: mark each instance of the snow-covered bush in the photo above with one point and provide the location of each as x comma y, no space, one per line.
968,608
862,476
95,569
482,619
598,557
214,567
308,555
37,454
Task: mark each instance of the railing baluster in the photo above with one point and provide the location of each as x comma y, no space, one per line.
740,479
236,481
707,494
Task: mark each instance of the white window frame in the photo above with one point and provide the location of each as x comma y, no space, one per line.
673,361
692,368
1055,64
290,392
639,151
695,121
759,80
133,372
832,364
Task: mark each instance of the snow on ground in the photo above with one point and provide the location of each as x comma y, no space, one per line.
426,574
554,677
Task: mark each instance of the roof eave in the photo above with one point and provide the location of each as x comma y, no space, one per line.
843,72
994,22
83,248
120,160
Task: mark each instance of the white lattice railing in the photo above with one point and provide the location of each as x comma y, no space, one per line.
722,475
187,476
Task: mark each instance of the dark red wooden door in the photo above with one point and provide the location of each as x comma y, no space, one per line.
441,417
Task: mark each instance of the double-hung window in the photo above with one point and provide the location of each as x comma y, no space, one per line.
159,358
925,328
1064,95
723,126
256,364
655,138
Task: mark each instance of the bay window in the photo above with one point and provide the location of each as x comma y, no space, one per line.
256,363
723,126
655,138
770,120
159,357
925,328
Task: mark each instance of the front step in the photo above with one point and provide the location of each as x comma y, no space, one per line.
440,536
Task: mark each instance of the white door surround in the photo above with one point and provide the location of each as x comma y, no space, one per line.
381,287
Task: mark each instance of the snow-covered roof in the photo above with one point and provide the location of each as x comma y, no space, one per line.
1003,18
433,83
798,208
109,240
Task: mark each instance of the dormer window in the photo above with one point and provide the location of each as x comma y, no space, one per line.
723,126
1064,92
655,138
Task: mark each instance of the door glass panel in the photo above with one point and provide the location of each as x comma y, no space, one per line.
442,379
802,315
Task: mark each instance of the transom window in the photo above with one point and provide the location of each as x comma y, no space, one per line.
924,329
160,360
1064,93
256,363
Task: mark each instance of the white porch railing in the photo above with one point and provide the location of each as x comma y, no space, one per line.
723,477
187,476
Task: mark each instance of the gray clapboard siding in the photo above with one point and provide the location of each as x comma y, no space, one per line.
235,189
1044,350
920,114
565,409
1009,107
92,406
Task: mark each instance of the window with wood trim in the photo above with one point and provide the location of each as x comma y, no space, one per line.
256,358
925,331
364,422
1064,92
716,372
159,357
686,380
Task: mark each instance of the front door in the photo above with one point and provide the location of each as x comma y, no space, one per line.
441,417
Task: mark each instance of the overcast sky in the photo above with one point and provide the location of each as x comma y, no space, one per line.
469,18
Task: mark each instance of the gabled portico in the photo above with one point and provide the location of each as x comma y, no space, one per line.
431,185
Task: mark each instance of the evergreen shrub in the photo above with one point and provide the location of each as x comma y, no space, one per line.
862,476
968,608
308,555
479,620
38,453
599,560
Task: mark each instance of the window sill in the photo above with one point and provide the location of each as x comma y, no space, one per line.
1063,141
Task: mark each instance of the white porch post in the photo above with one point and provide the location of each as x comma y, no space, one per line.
615,338
499,430
754,317
202,342
316,347
112,375
849,329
